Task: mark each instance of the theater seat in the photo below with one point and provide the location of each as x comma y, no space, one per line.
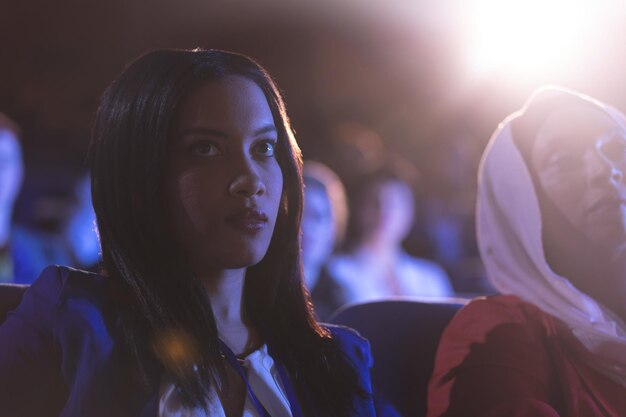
10,297
403,335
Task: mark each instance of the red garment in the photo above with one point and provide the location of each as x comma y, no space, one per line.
503,357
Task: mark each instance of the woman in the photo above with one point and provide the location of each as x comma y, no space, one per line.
552,234
201,308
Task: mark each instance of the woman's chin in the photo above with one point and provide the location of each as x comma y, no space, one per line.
610,238
229,261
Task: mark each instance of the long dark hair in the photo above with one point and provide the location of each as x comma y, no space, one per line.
157,296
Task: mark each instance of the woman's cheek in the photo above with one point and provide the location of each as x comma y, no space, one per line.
193,198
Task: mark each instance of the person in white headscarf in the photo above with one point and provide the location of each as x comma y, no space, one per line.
551,224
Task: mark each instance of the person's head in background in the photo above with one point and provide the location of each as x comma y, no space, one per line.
382,207
552,203
324,217
11,173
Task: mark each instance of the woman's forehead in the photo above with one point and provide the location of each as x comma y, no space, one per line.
228,109
575,125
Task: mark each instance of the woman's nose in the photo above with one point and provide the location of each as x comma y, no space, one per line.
611,155
604,170
617,176
247,183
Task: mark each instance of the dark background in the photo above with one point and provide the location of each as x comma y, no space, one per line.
395,70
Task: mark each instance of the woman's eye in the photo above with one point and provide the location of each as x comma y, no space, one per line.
265,148
563,160
204,148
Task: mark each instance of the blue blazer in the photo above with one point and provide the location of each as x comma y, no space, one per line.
61,354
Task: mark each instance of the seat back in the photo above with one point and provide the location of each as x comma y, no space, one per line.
10,298
403,334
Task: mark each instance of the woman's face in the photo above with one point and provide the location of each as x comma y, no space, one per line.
387,211
223,182
580,160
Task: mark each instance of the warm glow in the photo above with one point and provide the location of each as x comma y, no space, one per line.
529,37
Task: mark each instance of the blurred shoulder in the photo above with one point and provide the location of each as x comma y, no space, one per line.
350,342
483,314
425,277
60,284
57,279
425,266
344,333
342,265
508,307
63,297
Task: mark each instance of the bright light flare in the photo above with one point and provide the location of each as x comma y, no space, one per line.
527,37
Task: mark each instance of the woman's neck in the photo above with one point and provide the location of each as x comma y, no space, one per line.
616,286
379,251
598,272
225,290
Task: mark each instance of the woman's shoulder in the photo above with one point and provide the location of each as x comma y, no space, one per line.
497,321
342,265
494,353
64,292
499,309
344,333
62,281
350,342
427,277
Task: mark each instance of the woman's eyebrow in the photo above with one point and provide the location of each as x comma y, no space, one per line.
202,131
206,131
270,128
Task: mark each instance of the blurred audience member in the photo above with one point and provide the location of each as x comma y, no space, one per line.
323,227
26,251
11,173
75,244
374,264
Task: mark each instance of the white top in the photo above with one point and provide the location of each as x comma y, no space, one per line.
408,276
262,376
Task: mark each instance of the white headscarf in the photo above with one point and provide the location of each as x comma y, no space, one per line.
510,241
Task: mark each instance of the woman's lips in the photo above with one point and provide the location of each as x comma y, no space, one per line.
249,220
607,203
